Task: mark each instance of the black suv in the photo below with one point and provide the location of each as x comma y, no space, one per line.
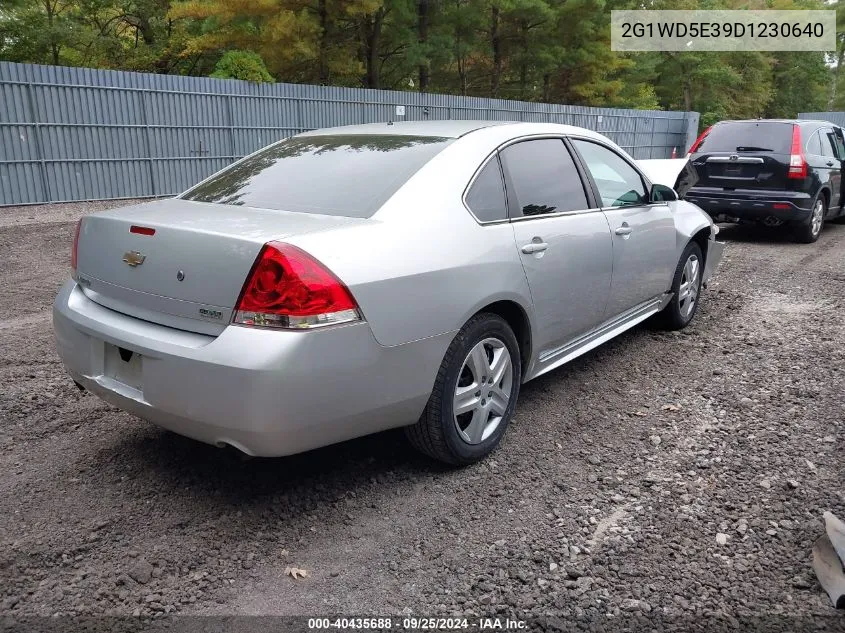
770,171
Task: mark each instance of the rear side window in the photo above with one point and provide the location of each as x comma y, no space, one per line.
618,183
814,146
749,136
349,175
486,196
544,177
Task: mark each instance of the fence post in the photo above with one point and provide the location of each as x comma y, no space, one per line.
691,119
300,126
232,152
148,147
39,146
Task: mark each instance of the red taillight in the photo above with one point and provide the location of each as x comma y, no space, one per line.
780,205
74,251
797,162
142,230
290,289
699,140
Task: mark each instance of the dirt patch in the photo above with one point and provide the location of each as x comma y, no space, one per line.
606,499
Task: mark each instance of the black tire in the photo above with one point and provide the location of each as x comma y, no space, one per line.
675,316
807,232
436,433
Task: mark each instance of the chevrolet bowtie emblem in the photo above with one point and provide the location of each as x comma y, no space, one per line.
134,258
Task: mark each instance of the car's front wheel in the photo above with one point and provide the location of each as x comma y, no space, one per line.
474,394
809,230
686,287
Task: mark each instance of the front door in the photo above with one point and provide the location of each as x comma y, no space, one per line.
564,245
643,232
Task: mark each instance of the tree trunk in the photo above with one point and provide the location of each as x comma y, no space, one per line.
840,58
523,67
322,61
547,87
496,45
50,10
423,20
371,28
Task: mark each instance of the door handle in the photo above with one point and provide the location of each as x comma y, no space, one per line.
829,163
624,229
534,247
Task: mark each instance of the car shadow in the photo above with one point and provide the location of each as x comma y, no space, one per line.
176,465
757,233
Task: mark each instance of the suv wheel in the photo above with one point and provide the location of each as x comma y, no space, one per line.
808,231
474,395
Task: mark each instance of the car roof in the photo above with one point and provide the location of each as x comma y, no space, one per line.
798,121
445,128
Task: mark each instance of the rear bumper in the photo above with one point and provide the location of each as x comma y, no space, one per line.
267,393
746,204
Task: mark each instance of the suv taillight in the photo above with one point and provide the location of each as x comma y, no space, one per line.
74,251
797,162
698,141
287,288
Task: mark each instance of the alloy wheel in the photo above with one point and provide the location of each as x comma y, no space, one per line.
688,292
817,217
483,390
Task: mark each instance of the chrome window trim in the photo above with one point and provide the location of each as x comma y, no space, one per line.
559,214
524,218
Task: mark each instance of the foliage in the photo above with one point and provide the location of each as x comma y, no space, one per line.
244,65
539,50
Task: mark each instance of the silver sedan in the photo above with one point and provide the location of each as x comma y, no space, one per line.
351,280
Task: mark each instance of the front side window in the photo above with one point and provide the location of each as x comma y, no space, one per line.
828,142
839,143
619,184
486,196
348,175
544,177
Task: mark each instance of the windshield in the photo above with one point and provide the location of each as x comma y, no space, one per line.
748,136
348,175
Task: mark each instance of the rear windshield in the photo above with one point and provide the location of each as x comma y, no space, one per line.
349,175
749,136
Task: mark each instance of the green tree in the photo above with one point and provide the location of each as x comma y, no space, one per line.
244,65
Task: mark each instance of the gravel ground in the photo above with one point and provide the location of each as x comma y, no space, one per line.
662,476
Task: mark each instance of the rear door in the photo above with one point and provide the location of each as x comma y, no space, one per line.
831,166
563,240
643,231
745,155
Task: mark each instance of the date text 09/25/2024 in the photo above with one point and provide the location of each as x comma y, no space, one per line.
417,624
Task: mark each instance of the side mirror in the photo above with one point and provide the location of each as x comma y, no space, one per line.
662,193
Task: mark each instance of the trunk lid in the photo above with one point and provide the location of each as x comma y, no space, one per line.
190,272
745,155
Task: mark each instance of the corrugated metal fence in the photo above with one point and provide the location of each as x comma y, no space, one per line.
837,118
79,134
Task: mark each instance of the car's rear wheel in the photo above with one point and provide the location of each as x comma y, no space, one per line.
809,230
686,288
474,395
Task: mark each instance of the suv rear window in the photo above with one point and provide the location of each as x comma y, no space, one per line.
348,175
737,136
